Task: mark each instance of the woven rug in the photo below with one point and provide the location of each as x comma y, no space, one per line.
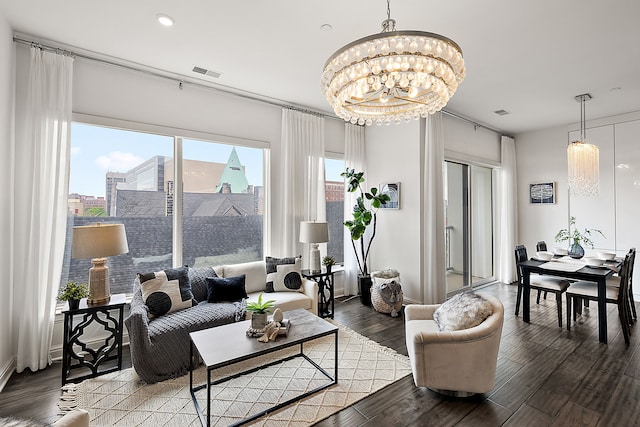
364,368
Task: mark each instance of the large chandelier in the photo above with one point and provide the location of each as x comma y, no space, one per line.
583,159
392,76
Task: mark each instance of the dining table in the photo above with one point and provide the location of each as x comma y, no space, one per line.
574,270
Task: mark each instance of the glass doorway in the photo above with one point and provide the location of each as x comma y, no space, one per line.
469,226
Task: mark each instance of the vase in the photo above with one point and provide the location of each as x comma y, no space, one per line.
575,250
74,304
258,320
328,267
364,287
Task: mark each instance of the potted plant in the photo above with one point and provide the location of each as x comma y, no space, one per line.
364,215
259,311
576,236
73,293
328,261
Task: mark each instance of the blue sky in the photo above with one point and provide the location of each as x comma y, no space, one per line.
97,150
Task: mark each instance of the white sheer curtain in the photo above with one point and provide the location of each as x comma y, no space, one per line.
433,238
507,211
303,195
40,204
354,158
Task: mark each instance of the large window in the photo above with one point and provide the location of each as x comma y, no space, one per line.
334,192
127,177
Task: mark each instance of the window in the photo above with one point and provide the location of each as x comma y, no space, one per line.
334,193
123,176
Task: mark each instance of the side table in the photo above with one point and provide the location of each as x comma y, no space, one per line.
324,280
78,354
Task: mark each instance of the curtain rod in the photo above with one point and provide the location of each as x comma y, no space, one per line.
237,92
177,78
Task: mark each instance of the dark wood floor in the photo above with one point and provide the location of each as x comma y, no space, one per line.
546,376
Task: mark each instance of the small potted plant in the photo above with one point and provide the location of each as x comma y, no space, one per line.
73,293
259,311
575,236
328,261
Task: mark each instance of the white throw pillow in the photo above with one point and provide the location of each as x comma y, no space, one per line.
462,311
286,278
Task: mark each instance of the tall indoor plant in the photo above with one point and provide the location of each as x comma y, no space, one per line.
364,215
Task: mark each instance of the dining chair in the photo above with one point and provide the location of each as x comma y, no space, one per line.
541,246
619,295
539,283
615,281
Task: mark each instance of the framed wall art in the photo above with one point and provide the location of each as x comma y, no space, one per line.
542,193
391,189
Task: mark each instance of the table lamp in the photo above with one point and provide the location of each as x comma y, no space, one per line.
314,232
98,241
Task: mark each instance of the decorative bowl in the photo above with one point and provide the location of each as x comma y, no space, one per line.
606,255
593,261
560,251
544,255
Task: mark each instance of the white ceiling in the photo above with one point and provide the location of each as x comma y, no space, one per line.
529,57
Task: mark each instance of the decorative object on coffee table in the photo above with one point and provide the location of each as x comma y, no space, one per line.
259,311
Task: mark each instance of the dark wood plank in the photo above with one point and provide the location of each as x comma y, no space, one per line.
545,376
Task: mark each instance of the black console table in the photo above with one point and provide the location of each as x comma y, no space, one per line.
324,280
80,355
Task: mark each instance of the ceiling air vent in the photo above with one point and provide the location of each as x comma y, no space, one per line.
206,72
502,112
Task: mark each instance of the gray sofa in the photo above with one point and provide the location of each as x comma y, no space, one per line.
160,346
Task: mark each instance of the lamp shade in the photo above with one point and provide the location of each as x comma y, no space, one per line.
99,241
314,232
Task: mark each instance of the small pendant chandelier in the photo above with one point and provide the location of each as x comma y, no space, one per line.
392,76
583,159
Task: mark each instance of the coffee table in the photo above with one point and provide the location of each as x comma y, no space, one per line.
227,344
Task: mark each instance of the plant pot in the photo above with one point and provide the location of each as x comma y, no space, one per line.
576,251
74,304
364,287
328,267
258,320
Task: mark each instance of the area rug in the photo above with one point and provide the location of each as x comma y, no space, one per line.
364,368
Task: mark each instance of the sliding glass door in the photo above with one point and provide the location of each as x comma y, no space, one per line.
469,227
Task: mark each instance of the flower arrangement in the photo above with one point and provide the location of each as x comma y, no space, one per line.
576,235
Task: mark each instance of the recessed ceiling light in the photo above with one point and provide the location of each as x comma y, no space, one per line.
326,27
615,89
165,20
502,112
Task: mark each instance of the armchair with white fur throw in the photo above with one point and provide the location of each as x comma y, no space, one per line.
453,347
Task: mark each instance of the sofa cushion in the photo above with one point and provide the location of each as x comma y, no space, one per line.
166,291
198,280
226,289
254,271
462,311
283,274
285,301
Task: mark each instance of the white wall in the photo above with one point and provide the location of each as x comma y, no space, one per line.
393,154
6,194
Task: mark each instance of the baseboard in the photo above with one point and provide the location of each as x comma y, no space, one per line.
7,370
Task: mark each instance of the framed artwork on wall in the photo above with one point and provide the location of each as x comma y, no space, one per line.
392,190
542,193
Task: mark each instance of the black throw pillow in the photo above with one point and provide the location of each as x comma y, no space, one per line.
228,289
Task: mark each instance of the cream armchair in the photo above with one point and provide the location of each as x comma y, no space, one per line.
459,363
